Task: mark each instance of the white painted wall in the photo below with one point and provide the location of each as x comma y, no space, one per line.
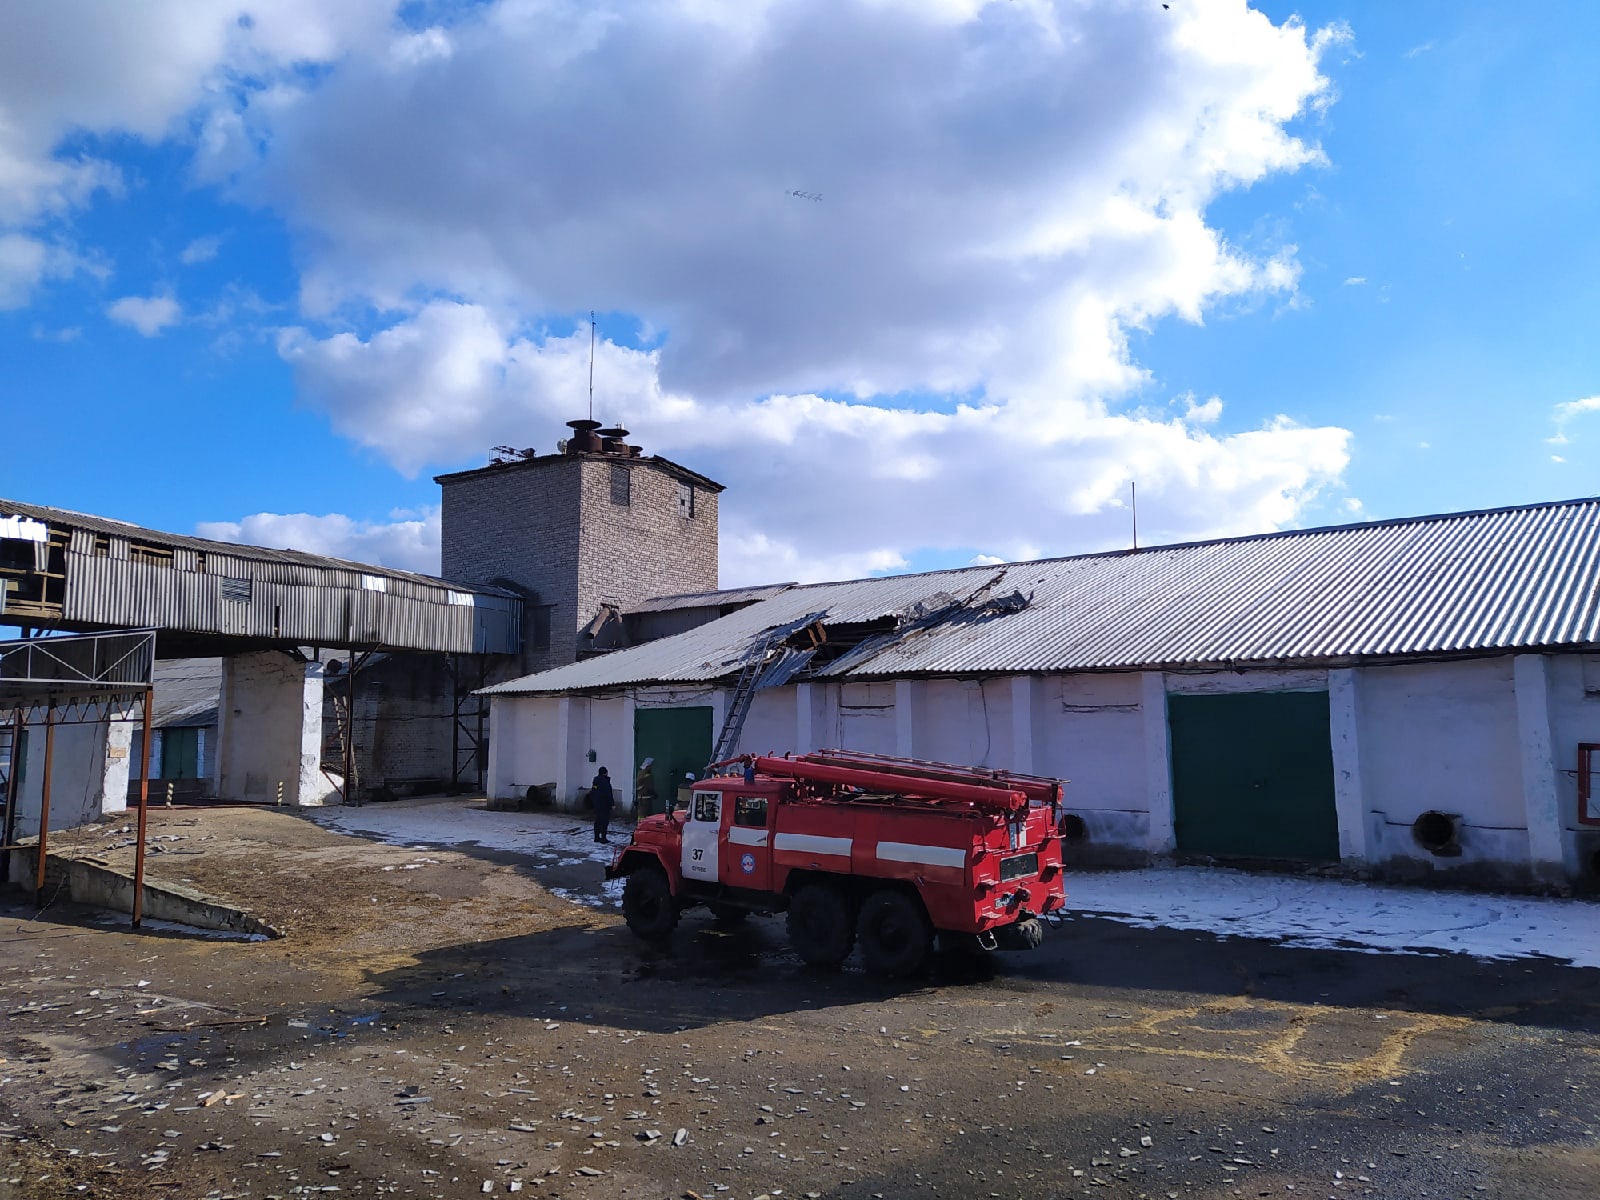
1456,737
771,723
1090,731
522,744
966,721
1574,699
269,731
88,778
1443,737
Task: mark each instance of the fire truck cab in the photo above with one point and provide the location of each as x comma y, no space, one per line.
855,849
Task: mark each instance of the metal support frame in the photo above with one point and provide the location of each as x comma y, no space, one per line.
349,792
144,806
468,715
44,804
13,787
71,679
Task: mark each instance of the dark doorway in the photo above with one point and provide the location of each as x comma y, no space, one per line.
679,740
1252,776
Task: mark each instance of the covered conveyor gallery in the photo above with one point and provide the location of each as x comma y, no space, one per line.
270,615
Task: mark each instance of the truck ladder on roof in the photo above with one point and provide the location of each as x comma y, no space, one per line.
744,691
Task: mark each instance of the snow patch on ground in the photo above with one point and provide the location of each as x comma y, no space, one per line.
1319,913
422,824
1342,914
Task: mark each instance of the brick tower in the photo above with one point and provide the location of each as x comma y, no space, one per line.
584,534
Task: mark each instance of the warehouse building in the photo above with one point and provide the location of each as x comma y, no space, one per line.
1411,699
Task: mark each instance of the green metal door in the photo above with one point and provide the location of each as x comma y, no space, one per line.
1252,776
678,739
180,754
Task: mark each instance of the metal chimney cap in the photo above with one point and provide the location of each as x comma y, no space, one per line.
583,426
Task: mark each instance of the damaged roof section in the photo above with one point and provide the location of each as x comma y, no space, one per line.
820,642
1496,581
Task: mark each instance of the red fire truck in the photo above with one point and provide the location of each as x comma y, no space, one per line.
855,849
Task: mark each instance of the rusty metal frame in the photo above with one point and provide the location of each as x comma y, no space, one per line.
60,675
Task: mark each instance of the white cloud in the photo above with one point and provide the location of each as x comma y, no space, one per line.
1006,187
1355,281
409,541
202,249
148,314
1008,190
75,67
1022,478
1568,409
22,266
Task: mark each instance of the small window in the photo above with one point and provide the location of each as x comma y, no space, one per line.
539,626
707,806
102,546
686,499
621,483
751,811
238,590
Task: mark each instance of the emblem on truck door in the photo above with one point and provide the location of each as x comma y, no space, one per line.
747,864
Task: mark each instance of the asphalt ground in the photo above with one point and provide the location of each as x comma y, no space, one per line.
458,1028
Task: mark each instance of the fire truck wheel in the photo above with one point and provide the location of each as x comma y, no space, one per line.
647,904
896,936
820,928
728,914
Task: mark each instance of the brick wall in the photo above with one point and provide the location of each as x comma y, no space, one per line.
646,547
520,522
550,524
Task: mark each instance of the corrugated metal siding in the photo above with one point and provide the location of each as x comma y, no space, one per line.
293,607
1495,581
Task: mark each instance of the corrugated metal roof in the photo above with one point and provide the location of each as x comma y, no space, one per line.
747,595
186,691
1485,582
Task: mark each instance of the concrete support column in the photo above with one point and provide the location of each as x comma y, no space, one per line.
1157,762
1022,690
905,726
494,781
627,794
1349,792
564,784
269,731
803,700
1546,854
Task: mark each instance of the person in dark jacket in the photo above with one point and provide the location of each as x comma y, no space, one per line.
602,797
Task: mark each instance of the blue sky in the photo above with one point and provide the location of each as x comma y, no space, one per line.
262,275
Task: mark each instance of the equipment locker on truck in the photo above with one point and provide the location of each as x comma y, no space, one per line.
855,849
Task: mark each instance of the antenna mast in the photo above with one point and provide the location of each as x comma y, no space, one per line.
591,364
1133,496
